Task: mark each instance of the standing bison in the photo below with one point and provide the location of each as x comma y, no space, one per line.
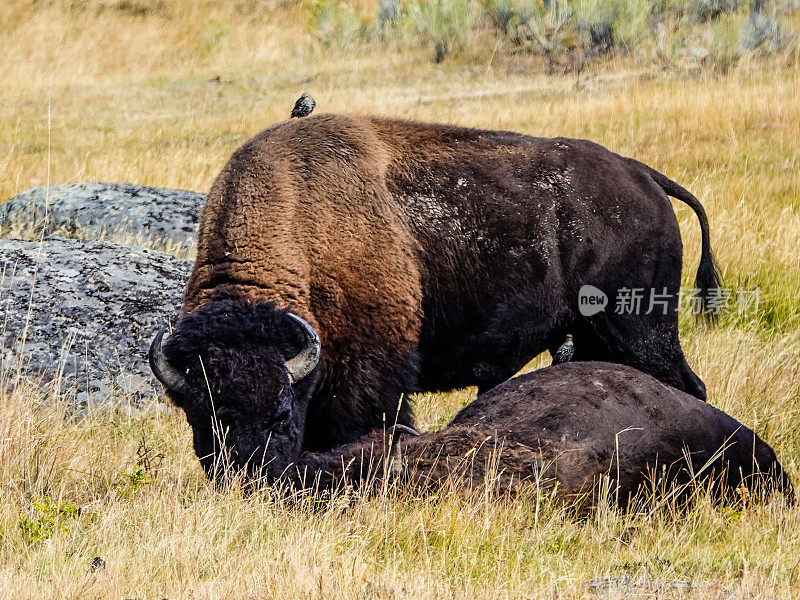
421,257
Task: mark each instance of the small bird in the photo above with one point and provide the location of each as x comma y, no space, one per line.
97,565
304,106
565,351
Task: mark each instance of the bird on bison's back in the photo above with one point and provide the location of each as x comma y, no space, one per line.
303,107
424,257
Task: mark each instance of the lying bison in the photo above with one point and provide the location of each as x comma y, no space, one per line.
424,257
563,428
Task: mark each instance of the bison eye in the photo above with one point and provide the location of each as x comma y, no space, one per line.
225,414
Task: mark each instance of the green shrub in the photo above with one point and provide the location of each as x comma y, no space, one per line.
511,17
334,23
567,32
551,26
620,23
580,27
546,28
136,478
724,43
213,35
676,8
389,13
761,31
394,24
502,14
446,24
49,518
704,10
629,21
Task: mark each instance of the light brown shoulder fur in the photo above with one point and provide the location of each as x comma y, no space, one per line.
275,229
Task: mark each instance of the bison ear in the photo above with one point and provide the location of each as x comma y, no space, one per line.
169,376
305,361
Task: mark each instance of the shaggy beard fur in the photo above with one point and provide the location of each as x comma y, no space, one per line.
244,410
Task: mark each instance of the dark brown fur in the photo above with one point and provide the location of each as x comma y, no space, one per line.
429,257
563,428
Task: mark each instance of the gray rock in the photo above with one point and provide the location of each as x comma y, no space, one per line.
89,320
98,210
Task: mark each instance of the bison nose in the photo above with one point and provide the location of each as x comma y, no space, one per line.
226,467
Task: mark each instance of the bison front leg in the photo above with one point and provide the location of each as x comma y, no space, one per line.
357,396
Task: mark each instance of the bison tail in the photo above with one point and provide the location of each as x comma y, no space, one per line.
708,280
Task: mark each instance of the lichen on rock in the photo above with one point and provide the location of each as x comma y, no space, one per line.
82,313
96,211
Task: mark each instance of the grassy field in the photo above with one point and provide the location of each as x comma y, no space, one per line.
160,93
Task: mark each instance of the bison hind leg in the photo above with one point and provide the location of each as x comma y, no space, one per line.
645,342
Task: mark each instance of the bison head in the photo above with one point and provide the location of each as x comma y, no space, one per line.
242,373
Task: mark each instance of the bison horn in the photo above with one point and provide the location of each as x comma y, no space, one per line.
305,361
400,428
171,377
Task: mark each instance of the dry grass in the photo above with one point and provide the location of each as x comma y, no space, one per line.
132,97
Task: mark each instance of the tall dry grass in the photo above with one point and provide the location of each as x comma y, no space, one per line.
128,490
160,93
